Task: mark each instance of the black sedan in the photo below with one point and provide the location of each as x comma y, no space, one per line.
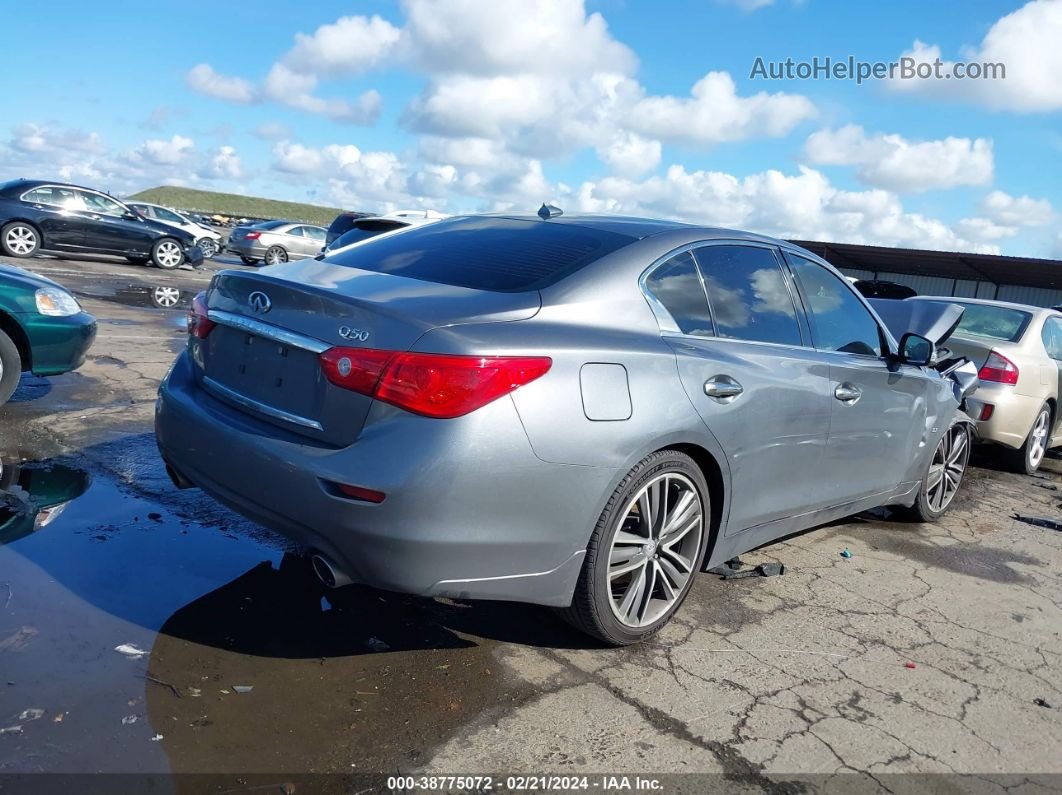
50,216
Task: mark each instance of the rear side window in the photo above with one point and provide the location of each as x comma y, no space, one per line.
839,321
66,198
749,297
677,288
1052,337
496,254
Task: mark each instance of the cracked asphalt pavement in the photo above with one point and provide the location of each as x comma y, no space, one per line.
932,649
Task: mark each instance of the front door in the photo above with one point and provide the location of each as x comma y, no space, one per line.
760,391
108,228
879,409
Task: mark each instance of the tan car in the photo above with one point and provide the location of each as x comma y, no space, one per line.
1018,350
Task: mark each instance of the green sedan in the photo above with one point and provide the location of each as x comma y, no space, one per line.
43,329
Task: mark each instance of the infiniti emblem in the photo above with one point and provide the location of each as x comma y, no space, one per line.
259,302
353,334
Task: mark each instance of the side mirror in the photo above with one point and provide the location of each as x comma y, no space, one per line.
916,349
129,215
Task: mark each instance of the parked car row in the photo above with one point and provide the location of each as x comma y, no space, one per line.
40,216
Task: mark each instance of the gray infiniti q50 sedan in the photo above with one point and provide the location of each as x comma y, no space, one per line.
580,412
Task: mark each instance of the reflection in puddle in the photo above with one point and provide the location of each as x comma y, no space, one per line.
33,495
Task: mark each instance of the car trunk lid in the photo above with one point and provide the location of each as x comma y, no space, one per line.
263,357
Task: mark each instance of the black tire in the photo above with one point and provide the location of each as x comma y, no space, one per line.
167,254
249,260
591,610
276,255
924,509
139,260
25,239
1026,460
10,368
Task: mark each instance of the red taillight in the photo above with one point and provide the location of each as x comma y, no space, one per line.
434,385
361,493
199,325
998,368
252,235
986,412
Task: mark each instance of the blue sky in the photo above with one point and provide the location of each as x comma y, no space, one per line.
607,105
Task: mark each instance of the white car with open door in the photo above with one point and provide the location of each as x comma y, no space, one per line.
206,238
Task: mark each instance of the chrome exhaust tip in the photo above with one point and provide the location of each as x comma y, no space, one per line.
327,572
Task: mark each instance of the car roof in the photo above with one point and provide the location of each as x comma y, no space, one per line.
27,184
983,302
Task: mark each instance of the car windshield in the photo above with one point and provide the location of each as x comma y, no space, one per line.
270,224
496,254
993,322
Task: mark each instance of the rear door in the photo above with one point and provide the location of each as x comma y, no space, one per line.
61,217
1052,337
744,364
878,408
299,244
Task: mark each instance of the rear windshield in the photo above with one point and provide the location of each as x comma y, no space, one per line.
993,322
270,224
496,254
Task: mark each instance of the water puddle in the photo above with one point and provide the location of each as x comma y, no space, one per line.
230,657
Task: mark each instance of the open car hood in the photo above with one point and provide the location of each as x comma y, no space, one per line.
934,320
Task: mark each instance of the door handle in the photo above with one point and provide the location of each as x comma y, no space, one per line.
722,388
96,217
848,393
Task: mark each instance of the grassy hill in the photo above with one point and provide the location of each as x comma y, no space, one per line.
230,204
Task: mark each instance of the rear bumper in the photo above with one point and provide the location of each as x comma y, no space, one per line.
470,511
1012,414
58,344
246,248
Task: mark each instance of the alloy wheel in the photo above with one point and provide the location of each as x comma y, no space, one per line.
166,297
654,549
275,256
947,468
21,240
1038,440
168,254
208,247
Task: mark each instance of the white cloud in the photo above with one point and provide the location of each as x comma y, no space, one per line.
630,155
546,37
205,80
893,162
225,164
714,113
804,205
272,131
296,159
40,138
164,152
347,46
1002,208
295,89
1026,42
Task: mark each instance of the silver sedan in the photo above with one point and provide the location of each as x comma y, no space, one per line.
275,242
581,412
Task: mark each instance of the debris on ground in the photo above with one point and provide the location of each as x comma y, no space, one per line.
763,570
195,692
59,717
845,553
130,650
242,688
129,720
1048,486
11,730
172,688
18,640
1042,703
910,665
375,644
1040,521
156,738
31,714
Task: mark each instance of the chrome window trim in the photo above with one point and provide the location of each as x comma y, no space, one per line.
262,408
267,330
23,198
664,318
